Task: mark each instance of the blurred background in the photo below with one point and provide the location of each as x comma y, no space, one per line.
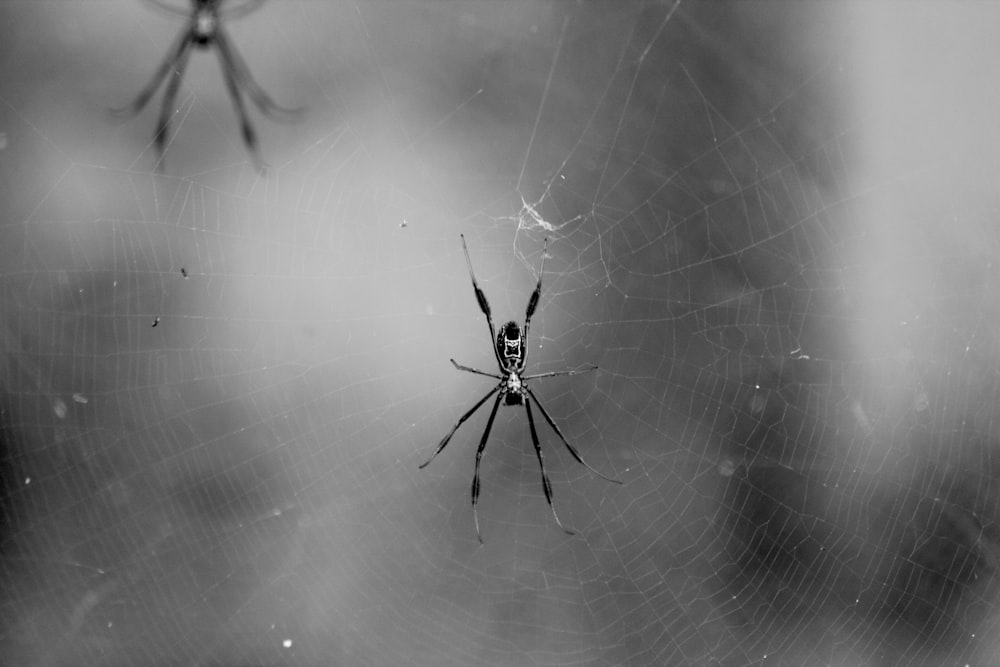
772,225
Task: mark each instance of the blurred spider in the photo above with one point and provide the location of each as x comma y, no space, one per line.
204,30
510,349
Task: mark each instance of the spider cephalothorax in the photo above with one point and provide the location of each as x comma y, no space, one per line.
510,348
204,23
514,390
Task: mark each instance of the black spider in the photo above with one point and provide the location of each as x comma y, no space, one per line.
510,348
204,30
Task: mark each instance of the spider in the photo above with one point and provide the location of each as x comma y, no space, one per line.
510,349
204,30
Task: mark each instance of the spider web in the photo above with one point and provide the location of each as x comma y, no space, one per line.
771,226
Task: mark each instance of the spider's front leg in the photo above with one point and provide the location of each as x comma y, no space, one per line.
533,299
553,374
469,369
484,305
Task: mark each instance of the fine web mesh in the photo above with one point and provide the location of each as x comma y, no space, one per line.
771,226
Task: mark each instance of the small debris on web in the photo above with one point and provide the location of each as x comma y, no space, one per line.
156,320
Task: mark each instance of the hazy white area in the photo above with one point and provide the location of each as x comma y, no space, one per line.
773,226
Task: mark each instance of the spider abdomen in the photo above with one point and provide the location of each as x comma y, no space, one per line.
511,346
513,398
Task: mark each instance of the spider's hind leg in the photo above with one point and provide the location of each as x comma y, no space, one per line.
546,484
169,97
243,77
571,448
447,438
235,95
479,458
175,61
537,293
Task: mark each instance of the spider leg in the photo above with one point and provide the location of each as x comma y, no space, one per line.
167,110
239,11
473,370
484,305
479,457
231,75
557,373
445,439
168,8
177,52
572,450
546,484
241,72
533,299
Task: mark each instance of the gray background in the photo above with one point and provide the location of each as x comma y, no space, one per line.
773,226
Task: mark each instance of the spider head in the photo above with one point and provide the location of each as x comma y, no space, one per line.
511,346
